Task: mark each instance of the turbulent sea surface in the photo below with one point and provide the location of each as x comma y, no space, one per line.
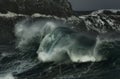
77,47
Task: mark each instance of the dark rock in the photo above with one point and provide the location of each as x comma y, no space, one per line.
60,8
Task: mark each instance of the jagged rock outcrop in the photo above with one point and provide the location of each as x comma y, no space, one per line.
101,21
60,8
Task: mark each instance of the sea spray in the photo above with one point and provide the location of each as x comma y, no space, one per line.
64,43
29,33
8,76
58,42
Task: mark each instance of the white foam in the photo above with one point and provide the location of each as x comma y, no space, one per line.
86,58
35,15
10,14
8,76
47,16
25,33
64,46
102,10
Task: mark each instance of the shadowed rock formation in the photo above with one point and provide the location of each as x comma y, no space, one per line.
60,8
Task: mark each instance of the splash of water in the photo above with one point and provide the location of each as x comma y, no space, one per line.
27,32
56,42
7,76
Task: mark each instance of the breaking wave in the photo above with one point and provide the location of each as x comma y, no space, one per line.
57,42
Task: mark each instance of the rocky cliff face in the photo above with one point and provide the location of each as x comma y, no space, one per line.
60,8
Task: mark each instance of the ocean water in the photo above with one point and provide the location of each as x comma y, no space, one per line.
50,50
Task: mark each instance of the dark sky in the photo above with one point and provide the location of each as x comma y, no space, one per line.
85,5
